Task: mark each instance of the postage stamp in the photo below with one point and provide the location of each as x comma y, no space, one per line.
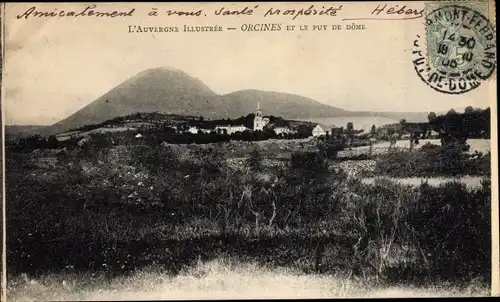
457,52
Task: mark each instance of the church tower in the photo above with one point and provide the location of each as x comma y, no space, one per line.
258,121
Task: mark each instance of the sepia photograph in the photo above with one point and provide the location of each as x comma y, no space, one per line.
162,151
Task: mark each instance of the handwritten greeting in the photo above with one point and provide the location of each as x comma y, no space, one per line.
379,12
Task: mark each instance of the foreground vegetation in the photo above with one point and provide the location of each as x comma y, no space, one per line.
110,211
221,278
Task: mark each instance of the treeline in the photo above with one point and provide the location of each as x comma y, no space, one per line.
159,136
473,123
139,116
34,142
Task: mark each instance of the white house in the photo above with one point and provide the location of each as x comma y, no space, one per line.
321,130
239,128
285,130
197,130
193,130
230,129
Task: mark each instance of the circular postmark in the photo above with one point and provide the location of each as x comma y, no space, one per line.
457,52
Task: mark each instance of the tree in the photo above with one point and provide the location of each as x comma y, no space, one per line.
391,132
432,116
403,125
183,127
52,142
452,128
255,160
304,131
469,110
414,138
350,132
32,142
331,146
350,126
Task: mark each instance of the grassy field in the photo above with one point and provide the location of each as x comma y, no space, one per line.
162,216
480,145
471,182
222,279
81,134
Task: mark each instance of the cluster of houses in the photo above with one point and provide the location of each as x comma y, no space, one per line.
259,123
228,129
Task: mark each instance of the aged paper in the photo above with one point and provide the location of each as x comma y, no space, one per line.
249,150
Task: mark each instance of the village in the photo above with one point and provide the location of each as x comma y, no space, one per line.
254,126
155,128
142,122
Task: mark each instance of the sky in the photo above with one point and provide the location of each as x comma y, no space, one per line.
54,67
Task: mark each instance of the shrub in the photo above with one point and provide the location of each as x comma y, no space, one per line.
308,164
432,161
156,159
379,223
452,227
255,160
332,145
419,233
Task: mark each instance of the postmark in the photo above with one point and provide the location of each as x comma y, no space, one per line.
458,50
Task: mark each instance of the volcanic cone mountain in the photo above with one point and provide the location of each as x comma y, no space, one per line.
173,91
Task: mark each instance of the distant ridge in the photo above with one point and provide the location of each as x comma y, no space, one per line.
165,89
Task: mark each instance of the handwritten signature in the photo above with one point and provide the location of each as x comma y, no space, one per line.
386,12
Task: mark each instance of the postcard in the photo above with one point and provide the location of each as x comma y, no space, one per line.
167,151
